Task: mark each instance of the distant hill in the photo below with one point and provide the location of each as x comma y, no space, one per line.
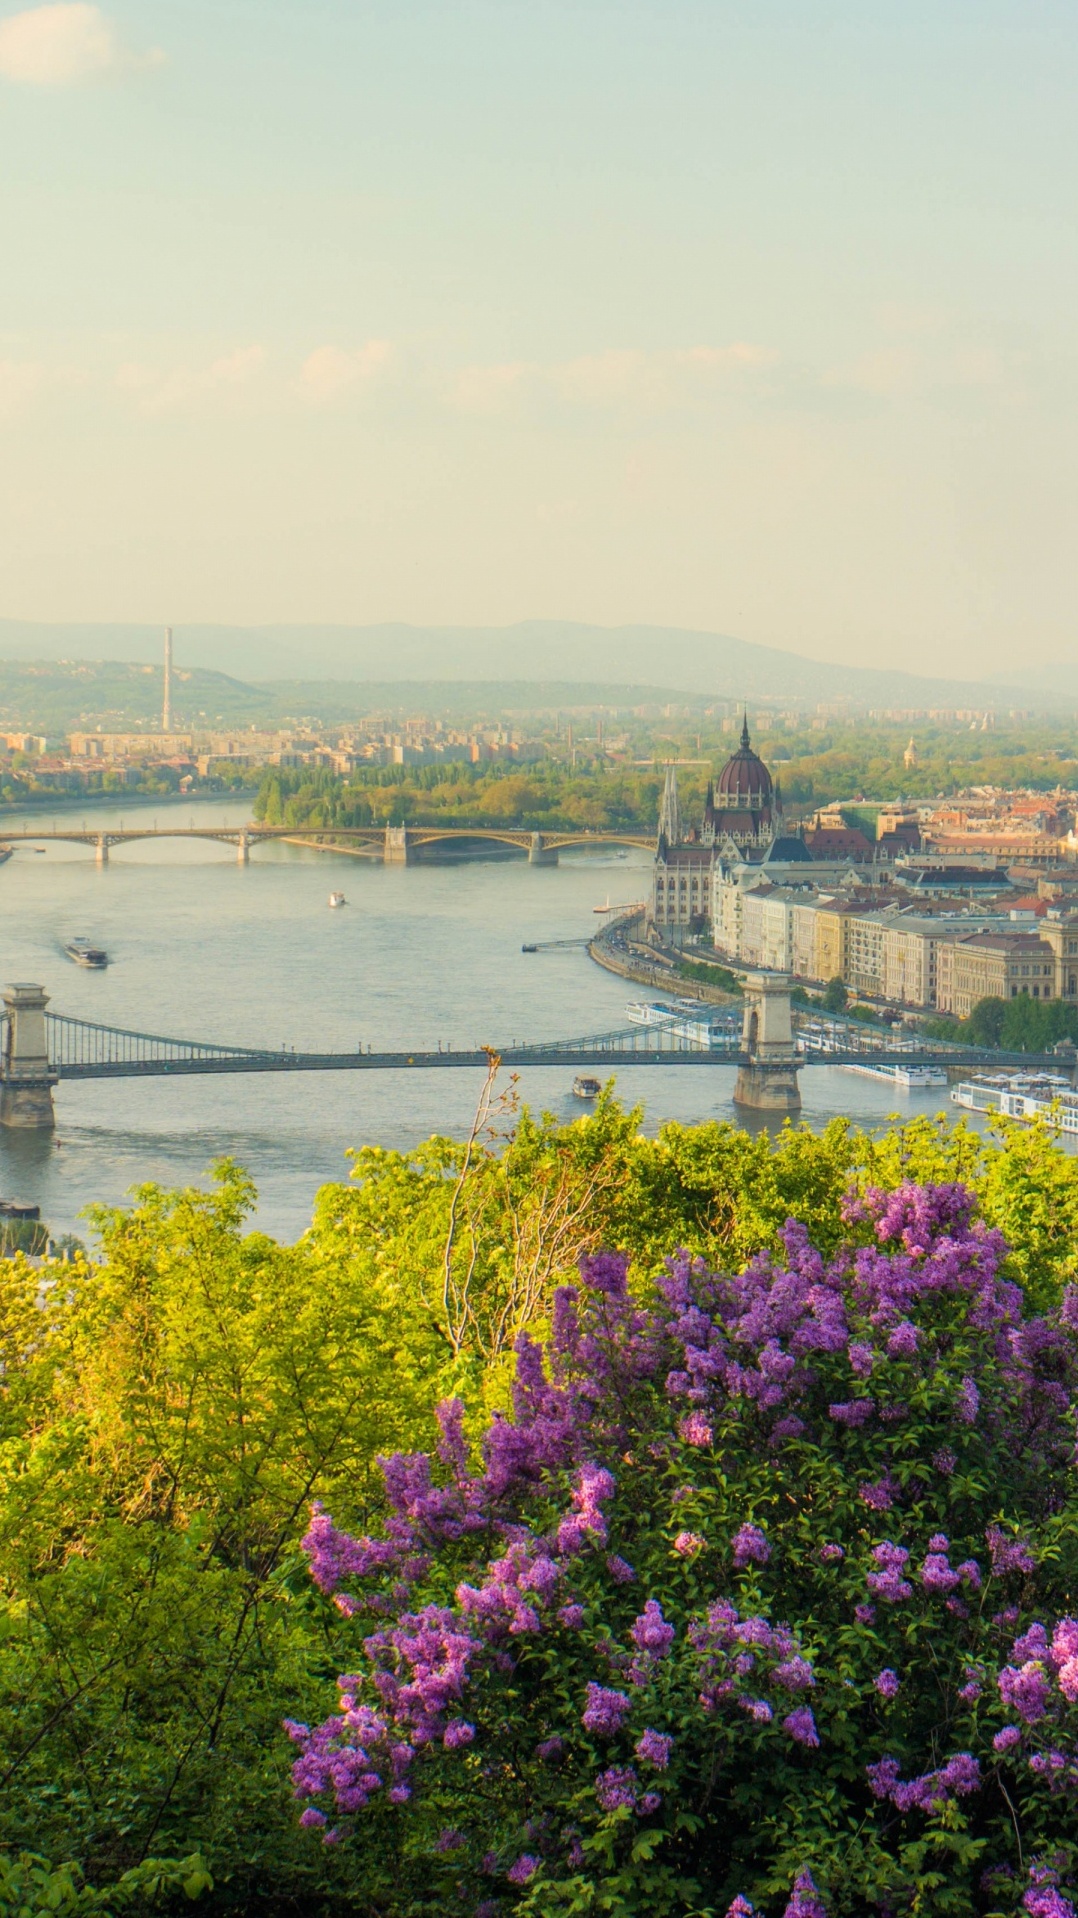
53,696
707,664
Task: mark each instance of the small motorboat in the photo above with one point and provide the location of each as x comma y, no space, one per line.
337,899
94,958
585,1087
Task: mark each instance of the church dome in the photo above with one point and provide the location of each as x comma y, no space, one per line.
744,780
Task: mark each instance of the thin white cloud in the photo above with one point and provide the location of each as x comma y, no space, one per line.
173,389
65,45
621,378
330,371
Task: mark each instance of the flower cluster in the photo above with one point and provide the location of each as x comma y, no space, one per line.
682,1580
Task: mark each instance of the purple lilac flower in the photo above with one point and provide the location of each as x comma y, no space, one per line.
968,1402
313,1819
801,1727
740,1908
1008,1554
550,1748
937,1574
620,1569
616,1787
805,1901
449,1840
651,1633
1065,1641
945,1461
852,1412
696,1429
750,1546
903,1341
880,1495
654,1749
757,1708
861,1358
864,1614
888,1583
458,1732
525,1867
794,1675
1006,1740
1026,1689
687,1544
830,1554
572,1617
887,1683
605,1711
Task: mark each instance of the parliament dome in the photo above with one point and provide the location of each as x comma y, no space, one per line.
744,780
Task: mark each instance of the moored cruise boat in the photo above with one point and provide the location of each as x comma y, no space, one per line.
585,1087
703,1026
910,1078
84,954
1021,1095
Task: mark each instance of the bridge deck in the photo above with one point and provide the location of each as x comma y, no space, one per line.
608,1057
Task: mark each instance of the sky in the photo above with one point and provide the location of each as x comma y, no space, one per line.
753,316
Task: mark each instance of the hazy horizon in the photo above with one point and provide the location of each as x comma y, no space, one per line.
752,321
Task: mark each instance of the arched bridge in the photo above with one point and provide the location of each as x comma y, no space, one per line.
397,845
39,1048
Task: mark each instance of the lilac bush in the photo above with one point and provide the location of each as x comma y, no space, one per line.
760,1602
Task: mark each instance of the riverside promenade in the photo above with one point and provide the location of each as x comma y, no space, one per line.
611,949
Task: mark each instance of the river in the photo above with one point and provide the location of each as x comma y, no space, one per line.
204,948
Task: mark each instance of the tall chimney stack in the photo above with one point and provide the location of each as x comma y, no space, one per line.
166,708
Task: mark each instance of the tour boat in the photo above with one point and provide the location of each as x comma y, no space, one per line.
1021,1095
336,899
688,1020
585,1087
84,954
911,1078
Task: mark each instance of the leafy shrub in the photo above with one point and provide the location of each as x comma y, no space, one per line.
29,1884
757,1603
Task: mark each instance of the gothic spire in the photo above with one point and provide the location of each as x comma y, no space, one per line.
669,812
745,740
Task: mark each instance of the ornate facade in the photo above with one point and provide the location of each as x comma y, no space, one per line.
742,814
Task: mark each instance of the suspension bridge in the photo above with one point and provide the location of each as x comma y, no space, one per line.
40,1049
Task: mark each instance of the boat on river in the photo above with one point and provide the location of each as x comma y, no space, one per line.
910,1078
337,899
585,1087
1021,1095
688,1020
94,958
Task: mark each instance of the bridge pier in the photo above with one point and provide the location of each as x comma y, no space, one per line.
101,849
768,1082
540,854
397,850
26,1076
243,849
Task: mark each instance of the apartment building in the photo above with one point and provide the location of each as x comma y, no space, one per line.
994,965
766,928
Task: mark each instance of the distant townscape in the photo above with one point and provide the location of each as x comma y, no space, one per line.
947,905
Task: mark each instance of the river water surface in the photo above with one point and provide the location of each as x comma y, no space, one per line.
202,948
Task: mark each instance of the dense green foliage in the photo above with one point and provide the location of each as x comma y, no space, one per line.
168,1412
1012,1025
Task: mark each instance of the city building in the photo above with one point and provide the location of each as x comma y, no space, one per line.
742,816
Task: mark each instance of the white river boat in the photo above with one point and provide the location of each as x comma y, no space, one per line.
1021,1095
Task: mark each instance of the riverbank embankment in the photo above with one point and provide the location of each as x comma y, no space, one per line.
612,949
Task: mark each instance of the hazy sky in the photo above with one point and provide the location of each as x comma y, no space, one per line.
758,317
